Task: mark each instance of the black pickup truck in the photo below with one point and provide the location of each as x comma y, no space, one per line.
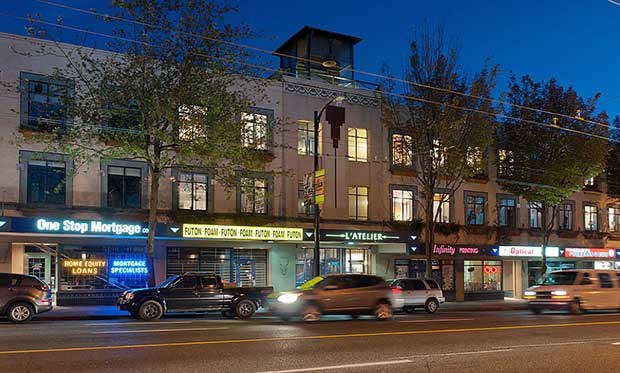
193,292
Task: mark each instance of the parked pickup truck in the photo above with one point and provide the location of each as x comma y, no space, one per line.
193,292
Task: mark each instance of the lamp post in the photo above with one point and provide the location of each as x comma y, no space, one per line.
335,116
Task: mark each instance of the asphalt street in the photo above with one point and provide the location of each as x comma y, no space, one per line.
509,341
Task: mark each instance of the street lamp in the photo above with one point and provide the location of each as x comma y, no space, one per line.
335,116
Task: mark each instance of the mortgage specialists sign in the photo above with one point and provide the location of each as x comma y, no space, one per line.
88,227
235,232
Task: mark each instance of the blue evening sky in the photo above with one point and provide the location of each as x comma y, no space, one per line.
576,41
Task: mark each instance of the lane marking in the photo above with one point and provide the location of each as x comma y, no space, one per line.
311,337
138,323
155,330
434,320
345,366
456,353
616,343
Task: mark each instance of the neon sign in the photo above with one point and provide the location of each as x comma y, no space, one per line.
234,232
576,252
84,267
551,251
89,227
128,267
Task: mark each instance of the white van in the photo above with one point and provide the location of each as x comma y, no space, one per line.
576,291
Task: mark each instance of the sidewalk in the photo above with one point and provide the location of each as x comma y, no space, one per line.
111,312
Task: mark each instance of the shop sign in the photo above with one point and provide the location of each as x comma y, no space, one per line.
233,232
88,227
589,252
528,251
128,267
319,186
456,250
308,189
367,236
84,267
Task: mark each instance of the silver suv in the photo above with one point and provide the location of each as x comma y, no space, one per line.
419,293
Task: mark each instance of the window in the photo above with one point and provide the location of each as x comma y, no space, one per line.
124,187
565,216
441,207
358,203
483,276
402,205
255,130
303,209
358,144
402,150
614,219
590,182
475,209
535,210
507,212
46,182
506,162
190,123
590,215
44,101
605,281
475,160
305,138
192,191
439,153
254,195
189,282
417,285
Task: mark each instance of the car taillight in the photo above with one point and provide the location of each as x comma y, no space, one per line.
397,290
42,287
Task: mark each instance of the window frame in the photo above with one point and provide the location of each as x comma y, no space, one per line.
538,215
595,206
479,166
472,194
25,156
403,150
106,163
308,210
270,117
404,188
572,220
24,80
357,196
176,174
609,218
356,138
268,192
515,220
308,137
450,203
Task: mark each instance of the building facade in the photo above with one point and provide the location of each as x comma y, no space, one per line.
84,232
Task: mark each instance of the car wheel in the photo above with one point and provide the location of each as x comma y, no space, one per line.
536,311
228,314
245,309
383,311
311,312
431,306
355,316
151,310
575,307
20,312
409,309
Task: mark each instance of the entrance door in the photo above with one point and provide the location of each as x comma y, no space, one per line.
246,272
39,265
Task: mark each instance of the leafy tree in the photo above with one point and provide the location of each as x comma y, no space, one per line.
545,163
169,90
447,133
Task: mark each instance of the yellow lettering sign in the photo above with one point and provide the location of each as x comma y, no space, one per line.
242,233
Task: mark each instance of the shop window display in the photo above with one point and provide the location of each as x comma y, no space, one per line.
483,276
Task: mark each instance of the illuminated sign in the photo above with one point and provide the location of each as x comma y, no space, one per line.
588,252
233,232
552,251
490,270
456,250
128,267
84,267
85,227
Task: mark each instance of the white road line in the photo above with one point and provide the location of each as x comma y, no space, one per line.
138,323
154,330
616,343
436,320
345,366
456,353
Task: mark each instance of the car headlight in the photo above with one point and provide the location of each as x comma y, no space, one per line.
529,293
559,292
288,298
130,296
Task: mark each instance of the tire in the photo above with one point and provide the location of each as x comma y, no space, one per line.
536,311
383,311
409,309
311,313
575,307
229,314
151,310
245,309
355,316
20,312
431,305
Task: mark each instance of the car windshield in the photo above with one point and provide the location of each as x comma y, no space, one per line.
310,284
168,281
559,278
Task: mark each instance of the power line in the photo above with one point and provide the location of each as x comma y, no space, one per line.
374,75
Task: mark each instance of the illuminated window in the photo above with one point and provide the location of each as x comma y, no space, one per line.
614,219
192,189
590,215
506,164
402,205
305,138
402,150
475,209
253,195
565,216
303,209
192,123
535,210
475,160
358,203
439,153
358,144
255,130
441,207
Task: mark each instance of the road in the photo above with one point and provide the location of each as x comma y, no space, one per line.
509,341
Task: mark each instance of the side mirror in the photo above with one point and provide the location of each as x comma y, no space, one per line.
586,281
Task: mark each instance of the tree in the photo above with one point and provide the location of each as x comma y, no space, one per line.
170,90
447,129
545,163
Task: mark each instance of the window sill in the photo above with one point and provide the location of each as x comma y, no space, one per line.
593,190
403,171
480,179
31,131
567,233
594,235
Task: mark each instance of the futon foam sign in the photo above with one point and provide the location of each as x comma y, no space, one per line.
589,252
233,232
89,227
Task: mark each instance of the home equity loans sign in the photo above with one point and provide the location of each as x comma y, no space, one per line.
234,232
88,227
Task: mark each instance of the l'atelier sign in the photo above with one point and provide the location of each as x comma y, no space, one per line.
456,250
